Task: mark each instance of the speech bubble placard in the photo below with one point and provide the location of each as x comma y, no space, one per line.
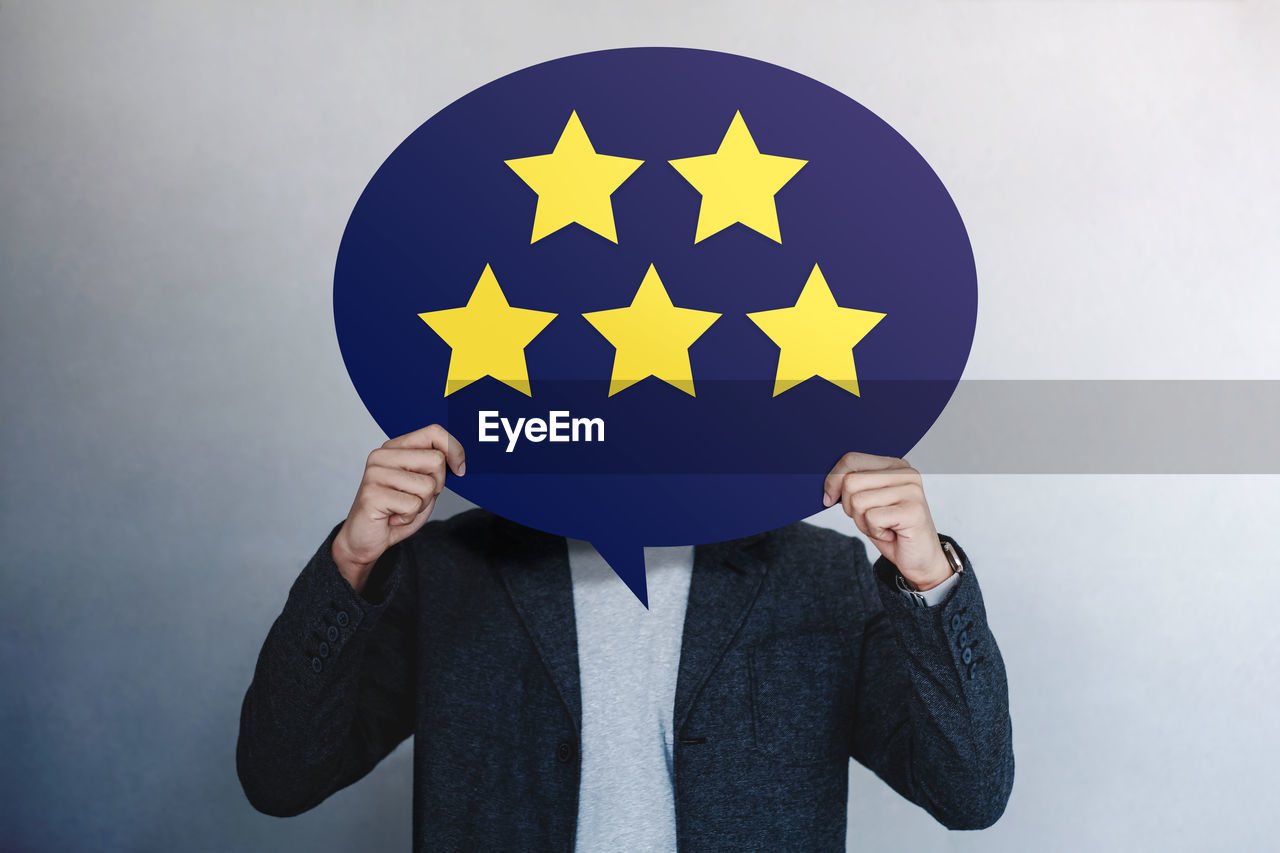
655,293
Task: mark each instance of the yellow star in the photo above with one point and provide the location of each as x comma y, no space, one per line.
487,337
574,184
738,183
816,337
651,337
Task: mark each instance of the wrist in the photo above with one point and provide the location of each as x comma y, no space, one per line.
932,581
940,571
353,570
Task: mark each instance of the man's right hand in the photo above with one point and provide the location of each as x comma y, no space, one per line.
401,481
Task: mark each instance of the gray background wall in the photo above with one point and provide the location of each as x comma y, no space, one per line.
179,433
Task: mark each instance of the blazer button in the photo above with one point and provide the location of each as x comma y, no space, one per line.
324,649
964,638
332,634
967,656
343,619
316,665
955,622
564,752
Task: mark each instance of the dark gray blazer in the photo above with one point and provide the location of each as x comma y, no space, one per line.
797,655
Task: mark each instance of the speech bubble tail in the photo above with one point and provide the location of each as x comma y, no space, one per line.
627,562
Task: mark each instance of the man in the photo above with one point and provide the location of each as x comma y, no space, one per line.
552,712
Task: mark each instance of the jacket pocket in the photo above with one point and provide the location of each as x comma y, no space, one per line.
800,698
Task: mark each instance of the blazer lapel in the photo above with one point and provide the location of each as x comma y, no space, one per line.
726,579
534,567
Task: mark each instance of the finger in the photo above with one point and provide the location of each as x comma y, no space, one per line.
434,437
422,461
425,486
883,522
859,481
384,502
857,503
414,521
852,462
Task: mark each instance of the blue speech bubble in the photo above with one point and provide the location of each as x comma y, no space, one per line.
656,293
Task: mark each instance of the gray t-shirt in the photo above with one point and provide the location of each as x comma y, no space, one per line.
628,660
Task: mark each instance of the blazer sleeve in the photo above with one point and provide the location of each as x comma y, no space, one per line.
931,713
332,693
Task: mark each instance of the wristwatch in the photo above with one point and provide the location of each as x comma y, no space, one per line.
957,565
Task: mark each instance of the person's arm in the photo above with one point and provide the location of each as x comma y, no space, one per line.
332,693
931,711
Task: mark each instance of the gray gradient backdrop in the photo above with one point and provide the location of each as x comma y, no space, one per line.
179,432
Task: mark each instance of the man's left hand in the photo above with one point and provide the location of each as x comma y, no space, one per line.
885,498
